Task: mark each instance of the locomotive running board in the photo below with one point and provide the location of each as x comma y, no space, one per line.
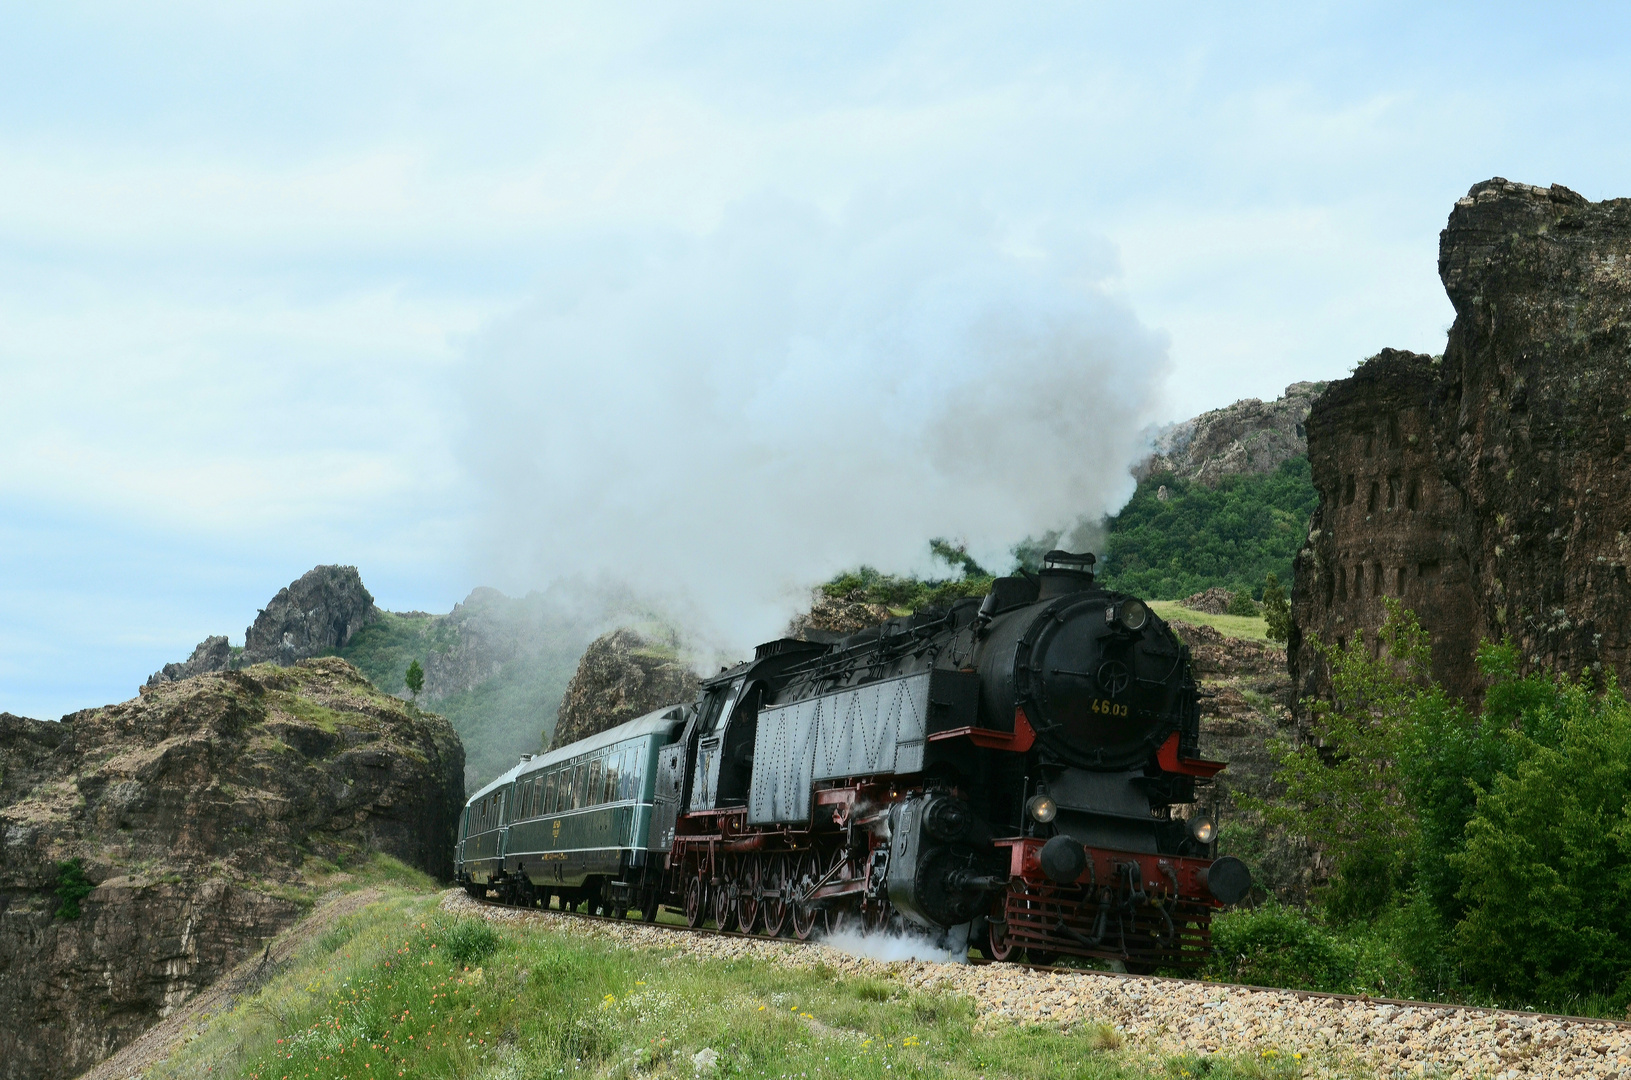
1021,739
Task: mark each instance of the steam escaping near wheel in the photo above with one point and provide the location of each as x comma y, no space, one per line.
900,944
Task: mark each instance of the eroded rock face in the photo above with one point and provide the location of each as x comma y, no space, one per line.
622,675
316,613
1389,523
1250,436
200,810
212,654
1515,442
835,616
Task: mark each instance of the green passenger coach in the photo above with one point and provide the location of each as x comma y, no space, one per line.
574,822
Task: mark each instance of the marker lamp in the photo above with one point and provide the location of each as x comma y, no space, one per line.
1042,808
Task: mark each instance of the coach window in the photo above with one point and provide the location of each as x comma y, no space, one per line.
593,797
627,789
608,788
549,794
580,776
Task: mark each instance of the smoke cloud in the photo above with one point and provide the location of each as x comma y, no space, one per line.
726,420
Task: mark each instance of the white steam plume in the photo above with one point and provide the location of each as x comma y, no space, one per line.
727,420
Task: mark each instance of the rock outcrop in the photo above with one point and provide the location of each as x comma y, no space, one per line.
1248,705
202,811
314,615
1214,601
212,654
1489,490
836,616
622,675
1250,436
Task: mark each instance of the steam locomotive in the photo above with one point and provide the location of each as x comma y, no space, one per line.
1016,771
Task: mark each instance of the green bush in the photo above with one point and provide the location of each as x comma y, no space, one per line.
72,887
1276,609
1546,869
1241,603
906,593
1282,946
1497,843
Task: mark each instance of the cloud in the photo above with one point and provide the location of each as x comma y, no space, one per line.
728,418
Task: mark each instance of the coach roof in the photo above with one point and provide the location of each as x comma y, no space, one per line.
660,721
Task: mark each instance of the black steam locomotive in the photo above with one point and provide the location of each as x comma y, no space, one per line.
1005,771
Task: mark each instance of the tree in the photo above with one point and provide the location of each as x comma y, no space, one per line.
1276,609
1348,787
1241,603
415,679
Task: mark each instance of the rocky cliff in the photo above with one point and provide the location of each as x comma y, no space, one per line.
1250,436
622,675
1245,707
202,812
496,666
316,614
1488,490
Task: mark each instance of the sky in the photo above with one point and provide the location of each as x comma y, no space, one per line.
713,298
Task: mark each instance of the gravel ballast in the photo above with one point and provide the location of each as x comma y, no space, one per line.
1164,1016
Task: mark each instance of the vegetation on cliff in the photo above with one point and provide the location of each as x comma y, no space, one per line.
497,717
1176,537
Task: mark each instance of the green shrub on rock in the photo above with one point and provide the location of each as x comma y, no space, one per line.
72,887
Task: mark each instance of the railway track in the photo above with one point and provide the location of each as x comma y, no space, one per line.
1301,995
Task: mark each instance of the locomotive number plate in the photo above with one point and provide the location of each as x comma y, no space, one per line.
1108,708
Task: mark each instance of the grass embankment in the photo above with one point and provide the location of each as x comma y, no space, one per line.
1254,627
401,989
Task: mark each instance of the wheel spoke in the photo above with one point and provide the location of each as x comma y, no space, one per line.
724,897
774,906
747,899
805,915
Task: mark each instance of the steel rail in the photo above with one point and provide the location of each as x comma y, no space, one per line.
1301,995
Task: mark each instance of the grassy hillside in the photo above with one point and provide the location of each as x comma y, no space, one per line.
1232,536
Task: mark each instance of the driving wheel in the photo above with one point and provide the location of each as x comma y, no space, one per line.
696,901
724,895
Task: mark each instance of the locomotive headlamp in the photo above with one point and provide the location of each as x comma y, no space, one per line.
1203,828
1132,614
1042,808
